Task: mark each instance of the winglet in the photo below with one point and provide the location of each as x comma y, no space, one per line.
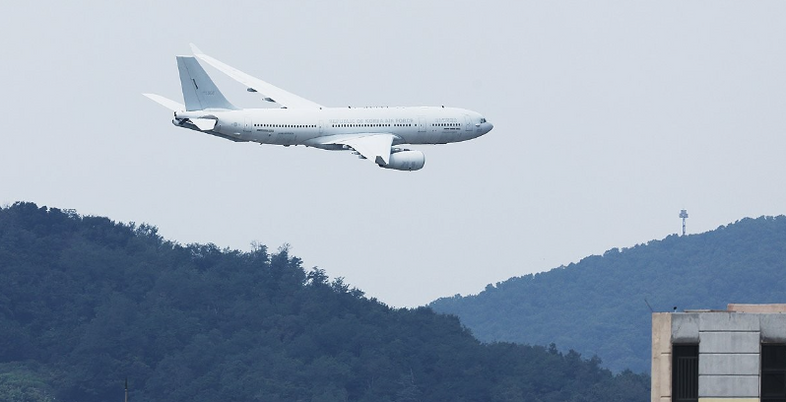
195,49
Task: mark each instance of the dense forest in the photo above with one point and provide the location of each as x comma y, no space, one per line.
600,305
86,303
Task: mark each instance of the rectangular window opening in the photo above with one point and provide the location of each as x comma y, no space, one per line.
773,373
685,373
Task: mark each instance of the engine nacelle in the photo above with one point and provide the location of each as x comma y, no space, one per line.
406,160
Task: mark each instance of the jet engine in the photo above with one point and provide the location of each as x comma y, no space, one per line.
406,160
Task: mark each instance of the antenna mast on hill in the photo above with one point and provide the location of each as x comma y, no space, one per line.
683,215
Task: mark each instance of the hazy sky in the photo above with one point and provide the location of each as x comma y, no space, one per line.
609,118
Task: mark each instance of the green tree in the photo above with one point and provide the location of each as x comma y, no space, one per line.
18,384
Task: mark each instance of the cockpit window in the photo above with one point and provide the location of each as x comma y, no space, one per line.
482,120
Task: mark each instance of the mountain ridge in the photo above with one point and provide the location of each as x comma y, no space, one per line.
599,305
86,302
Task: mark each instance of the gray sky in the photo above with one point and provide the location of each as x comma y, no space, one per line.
609,118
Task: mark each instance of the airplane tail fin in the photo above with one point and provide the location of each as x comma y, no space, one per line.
199,91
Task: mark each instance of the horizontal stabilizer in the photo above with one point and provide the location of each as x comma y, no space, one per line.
204,124
167,103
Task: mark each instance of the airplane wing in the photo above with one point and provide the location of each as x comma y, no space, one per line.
372,146
268,91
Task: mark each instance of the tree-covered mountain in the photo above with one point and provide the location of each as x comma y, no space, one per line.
599,305
86,303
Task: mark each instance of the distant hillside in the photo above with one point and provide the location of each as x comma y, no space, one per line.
597,306
86,303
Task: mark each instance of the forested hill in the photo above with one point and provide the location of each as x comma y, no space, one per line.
86,303
597,306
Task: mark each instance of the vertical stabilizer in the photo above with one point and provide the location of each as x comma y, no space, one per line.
199,91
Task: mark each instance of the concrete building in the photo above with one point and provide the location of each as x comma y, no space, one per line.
732,355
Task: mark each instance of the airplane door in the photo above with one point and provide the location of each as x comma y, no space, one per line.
320,127
421,124
247,126
468,123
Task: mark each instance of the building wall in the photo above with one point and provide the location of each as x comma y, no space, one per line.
729,350
661,358
729,345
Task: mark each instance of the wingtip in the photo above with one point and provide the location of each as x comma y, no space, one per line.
195,49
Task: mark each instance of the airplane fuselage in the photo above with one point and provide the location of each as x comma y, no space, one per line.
373,133
409,125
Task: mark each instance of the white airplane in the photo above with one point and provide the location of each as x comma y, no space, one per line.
373,133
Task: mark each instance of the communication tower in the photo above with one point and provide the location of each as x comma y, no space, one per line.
683,215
